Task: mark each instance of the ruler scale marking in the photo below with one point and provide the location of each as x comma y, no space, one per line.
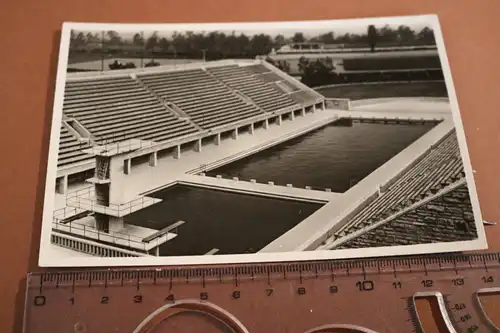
302,296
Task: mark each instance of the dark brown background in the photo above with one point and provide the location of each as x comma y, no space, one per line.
29,41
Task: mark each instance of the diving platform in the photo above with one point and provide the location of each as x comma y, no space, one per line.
163,232
212,252
102,207
79,227
130,236
85,199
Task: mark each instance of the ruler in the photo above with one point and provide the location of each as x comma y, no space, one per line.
372,295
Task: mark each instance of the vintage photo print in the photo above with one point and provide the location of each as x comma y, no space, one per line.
255,142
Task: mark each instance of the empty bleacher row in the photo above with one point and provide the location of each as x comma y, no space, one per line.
154,106
440,167
70,149
263,94
269,76
207,101
447,218
120,108
278,83
257,69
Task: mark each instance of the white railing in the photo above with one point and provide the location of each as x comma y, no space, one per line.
93,205
66,212
87,192
92,248
116,238
127,144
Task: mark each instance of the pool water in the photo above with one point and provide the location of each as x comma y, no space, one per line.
334,157
231,222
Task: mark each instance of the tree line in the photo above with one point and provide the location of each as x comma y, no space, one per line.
220,45
321,71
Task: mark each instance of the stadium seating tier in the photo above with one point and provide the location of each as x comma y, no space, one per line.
207,101
445,219
247,80
159,106
115,109
70,149
437,169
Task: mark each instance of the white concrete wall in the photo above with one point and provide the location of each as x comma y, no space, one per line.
117,178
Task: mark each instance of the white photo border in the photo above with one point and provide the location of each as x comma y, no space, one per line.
47,260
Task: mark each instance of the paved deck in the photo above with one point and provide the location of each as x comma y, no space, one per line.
403,104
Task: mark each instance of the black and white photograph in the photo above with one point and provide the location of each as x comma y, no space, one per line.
256,142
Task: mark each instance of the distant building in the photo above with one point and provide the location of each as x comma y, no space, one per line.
308,48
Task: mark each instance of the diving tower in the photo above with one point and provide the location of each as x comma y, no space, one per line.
108,203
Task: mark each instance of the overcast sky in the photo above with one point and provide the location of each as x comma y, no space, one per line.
288,29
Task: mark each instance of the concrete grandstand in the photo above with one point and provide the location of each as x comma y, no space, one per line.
431,195
126,133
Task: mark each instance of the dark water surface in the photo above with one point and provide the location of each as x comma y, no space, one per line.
233,223
332,157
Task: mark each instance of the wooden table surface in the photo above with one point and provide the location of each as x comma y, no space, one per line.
30,39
